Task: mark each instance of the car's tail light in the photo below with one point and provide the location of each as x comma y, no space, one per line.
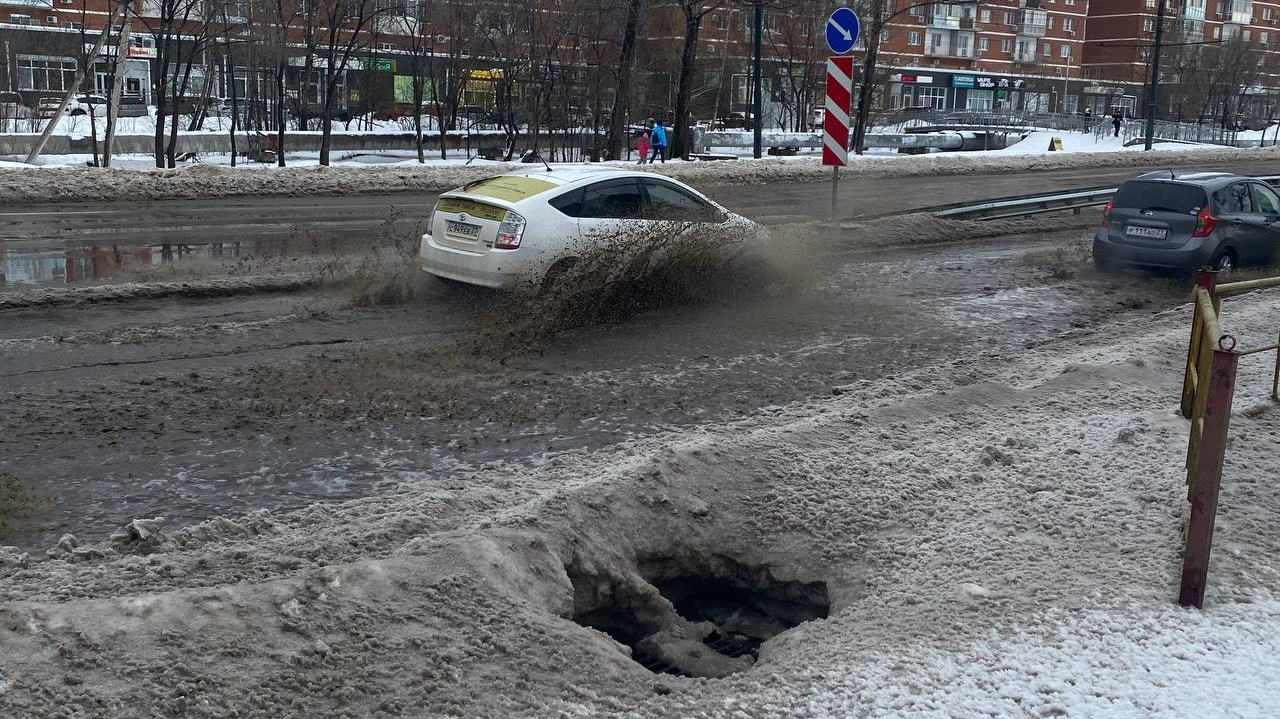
1205,223
1106,213
510,231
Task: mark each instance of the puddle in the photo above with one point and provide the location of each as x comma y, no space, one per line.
706,617
81,262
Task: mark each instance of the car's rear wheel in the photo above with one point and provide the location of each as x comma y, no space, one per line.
1224,261
557,272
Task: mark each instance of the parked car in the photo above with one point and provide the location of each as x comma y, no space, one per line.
1170,220
87,104
47,106
12,107
529,226
133,105
735,121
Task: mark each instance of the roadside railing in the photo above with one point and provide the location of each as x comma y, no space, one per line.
1023,205
1208,386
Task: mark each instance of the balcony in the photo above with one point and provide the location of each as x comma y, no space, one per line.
28,3
966,22
944,22
1032,29
1189,11
1026,57
1029,4
939,51
1241,12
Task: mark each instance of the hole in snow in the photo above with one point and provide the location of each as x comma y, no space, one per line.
702,618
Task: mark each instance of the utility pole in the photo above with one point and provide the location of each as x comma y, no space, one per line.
117,83
756,103
1155,75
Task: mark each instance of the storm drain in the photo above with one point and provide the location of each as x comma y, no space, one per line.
698,618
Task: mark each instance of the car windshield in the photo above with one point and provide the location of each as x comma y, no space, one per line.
1160,196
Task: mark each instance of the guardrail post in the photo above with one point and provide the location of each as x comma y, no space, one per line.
1208,477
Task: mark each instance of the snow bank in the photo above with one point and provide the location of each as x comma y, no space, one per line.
1000,537
84,184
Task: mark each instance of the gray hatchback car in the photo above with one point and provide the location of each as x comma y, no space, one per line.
1166,220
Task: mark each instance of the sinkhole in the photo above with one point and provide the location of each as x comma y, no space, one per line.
700,617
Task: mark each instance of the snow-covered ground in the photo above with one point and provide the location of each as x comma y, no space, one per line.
998,537
400,172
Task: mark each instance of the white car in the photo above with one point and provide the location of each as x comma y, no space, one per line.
528,225
87,104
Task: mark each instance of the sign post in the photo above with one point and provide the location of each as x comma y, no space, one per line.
842,32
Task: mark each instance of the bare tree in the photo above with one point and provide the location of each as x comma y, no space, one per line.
692,12
345,32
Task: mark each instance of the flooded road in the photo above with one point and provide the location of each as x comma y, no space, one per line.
118,241
189,409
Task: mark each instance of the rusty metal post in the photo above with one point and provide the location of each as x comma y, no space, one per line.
1275,378
1208,470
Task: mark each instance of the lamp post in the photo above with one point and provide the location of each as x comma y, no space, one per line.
1066,79
1155,75
756,103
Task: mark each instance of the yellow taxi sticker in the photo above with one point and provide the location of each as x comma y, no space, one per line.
471,207
511,189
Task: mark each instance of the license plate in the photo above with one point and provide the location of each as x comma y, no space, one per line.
462,229
1151,232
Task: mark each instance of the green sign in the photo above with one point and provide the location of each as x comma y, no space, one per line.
403,89
379,64
963,81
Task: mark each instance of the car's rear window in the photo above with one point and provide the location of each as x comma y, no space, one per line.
1165,196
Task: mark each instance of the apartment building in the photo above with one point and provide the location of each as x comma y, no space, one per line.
1019,55
988,55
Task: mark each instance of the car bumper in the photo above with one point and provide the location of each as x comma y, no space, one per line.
1192,255
473,268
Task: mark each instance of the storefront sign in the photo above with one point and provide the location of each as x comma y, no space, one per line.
985,82
915,79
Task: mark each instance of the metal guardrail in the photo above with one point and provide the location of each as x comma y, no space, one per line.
1030,205
1024,205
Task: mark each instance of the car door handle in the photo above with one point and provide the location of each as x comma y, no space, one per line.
1237,222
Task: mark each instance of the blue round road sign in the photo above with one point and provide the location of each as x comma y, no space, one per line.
842,30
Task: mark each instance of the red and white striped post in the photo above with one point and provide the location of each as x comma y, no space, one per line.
835,123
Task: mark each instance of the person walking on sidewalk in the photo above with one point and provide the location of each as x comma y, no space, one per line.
1117,119
642,147
658,143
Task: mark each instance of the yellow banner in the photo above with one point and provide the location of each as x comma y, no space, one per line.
511,189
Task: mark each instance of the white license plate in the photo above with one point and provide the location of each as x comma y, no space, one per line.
462,229
1151,232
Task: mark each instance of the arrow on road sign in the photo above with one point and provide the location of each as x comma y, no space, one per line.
842,30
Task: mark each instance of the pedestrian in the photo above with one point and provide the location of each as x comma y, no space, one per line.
658,143
1117,119
642,146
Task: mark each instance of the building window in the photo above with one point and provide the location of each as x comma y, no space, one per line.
979,100
17,19
917,11
1148,25
722,21
984,44
45,73
1069,24
913,38
985,16
1006,45
1066,53
1010,18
